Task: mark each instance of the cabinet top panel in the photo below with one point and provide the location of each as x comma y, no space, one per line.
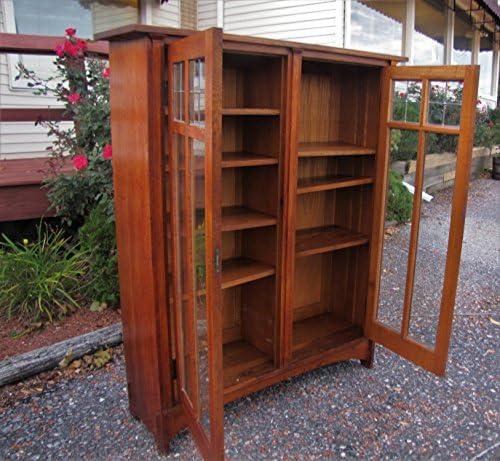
244,42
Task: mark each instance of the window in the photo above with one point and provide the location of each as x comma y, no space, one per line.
47,17
372,31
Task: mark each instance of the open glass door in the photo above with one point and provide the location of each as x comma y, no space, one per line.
194,127
427,116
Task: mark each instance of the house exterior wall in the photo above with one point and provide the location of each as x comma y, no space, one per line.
106,17
167,14
20,139
309,21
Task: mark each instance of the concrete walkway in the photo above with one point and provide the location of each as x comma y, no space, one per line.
395,411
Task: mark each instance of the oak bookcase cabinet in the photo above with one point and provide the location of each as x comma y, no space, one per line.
250,185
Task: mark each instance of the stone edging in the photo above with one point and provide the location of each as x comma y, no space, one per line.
31,363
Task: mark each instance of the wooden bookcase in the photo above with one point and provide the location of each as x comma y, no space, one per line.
250,187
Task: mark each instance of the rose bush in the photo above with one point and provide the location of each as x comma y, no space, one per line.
83,197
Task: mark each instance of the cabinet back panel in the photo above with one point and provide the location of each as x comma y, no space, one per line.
251,81
258,313
320,107
339,103
231,315
308,282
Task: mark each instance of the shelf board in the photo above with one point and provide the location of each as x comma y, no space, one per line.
326,149
324,239
240,159
317,334
243,362
250,111
237,271
318,184
239,218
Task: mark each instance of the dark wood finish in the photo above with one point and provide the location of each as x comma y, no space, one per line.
141,234
295,180
34,115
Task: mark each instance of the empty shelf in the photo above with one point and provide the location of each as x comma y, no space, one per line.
250,111
243,362
325,239
237,271
318,184
320,333
239,217
239,159
324,149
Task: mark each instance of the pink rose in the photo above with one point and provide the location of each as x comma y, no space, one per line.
70,31
107,152
80,162
74,98
106,73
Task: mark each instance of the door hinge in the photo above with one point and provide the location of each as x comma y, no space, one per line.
173,370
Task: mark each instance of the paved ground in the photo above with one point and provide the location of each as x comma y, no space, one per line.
395,411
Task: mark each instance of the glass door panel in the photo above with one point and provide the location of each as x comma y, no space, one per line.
195,78
427,114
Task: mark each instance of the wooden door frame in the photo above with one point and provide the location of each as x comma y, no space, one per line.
208,45
432,359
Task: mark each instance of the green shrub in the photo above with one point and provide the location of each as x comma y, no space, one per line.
97,238
399,200
40,281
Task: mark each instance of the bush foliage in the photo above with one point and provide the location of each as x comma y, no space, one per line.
399,200
97,238
84,197
40,281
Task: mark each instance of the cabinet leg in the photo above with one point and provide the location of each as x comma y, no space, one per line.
368,362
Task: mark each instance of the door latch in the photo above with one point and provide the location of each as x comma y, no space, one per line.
217,260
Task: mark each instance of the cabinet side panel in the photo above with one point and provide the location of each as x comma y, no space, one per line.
138,168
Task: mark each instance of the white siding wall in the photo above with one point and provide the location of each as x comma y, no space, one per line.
207,14
309,21
107,17
168,14
20,140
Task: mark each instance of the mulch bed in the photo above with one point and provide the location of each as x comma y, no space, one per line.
81,322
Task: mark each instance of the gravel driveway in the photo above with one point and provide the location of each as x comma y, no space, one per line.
344,411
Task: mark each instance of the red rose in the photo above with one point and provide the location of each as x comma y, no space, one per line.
402,94
70,31
106,73
81,45
74,98
71,49
80,162
107,152
59,49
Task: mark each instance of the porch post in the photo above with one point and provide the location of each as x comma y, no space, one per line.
449,34
495,70
408,29
476,43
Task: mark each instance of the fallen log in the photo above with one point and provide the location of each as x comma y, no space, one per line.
31,363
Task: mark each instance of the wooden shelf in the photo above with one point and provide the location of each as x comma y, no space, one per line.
320,333
318,184
237,271
324,239
250,111
239,217
243,362
241,159
327,149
